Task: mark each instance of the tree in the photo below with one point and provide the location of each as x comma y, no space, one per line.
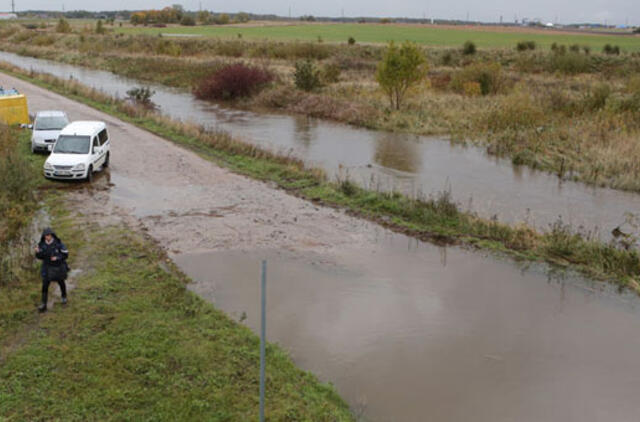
63,26
400,69
204,17
99,27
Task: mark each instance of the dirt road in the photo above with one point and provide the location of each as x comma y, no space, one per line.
190,204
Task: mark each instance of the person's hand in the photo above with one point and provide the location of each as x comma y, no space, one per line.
54,258
37,248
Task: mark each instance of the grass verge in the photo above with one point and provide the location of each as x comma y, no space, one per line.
133,344
436,219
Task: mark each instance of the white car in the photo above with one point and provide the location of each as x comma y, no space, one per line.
81,149
46,128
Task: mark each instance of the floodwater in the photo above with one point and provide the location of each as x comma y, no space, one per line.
380,160
408,331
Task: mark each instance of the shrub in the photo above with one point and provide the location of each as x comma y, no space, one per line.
63,26
586,49
575,48
351,41
399,70
526,45
306,76
611,49
187,20
233,81
469,48
142,96
447,59
558,48
487,75
637,30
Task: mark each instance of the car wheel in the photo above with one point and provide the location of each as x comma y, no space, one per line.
106,161
89,177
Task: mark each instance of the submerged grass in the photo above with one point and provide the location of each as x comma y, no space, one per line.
436,219
133,343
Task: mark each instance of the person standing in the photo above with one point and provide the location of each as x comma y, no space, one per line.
53,254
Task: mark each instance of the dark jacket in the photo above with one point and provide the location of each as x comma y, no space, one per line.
47,251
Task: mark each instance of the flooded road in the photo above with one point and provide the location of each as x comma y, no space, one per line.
405,330
380,160
408,331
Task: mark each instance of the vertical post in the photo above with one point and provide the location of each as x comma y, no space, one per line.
263,329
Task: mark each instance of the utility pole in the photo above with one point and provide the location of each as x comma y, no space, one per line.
289,12
13,6
467,16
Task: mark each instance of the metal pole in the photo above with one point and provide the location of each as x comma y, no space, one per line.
263,335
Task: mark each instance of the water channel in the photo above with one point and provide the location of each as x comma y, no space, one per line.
412,164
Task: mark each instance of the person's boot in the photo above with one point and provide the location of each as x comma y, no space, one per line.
64,300
42,307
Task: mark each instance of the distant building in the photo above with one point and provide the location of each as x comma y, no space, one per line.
5,16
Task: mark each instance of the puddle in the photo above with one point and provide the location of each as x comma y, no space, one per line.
385,161
407,329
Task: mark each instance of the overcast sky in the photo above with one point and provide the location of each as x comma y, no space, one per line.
571,11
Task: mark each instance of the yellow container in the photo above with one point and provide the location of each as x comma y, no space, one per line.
13,109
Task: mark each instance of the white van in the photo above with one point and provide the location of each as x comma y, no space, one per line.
46,128
81,149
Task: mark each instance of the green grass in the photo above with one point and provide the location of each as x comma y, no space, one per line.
431,219
134,343
369,33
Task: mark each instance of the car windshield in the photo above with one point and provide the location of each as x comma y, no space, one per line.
51,122
72,145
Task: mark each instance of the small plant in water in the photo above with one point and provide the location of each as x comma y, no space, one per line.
141,96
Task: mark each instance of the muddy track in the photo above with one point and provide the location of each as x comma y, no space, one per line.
189,204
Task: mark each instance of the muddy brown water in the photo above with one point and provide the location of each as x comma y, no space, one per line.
408,331
415,165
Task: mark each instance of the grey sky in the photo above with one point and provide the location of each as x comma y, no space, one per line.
613,11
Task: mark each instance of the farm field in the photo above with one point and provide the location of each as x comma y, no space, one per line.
377,33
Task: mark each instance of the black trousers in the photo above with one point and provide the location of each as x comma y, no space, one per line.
45,288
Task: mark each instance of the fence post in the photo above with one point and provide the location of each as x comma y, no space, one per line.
263,336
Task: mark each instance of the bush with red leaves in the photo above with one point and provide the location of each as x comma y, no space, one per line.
233,81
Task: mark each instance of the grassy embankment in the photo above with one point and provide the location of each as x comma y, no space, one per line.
574,113
430,219
133,343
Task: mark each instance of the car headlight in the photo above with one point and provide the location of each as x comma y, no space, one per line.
48,166
78,167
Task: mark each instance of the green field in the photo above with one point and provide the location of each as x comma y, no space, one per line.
370,33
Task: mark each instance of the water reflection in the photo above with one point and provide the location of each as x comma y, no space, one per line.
303,128
400,153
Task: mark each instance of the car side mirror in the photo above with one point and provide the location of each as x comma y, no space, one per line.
50,147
